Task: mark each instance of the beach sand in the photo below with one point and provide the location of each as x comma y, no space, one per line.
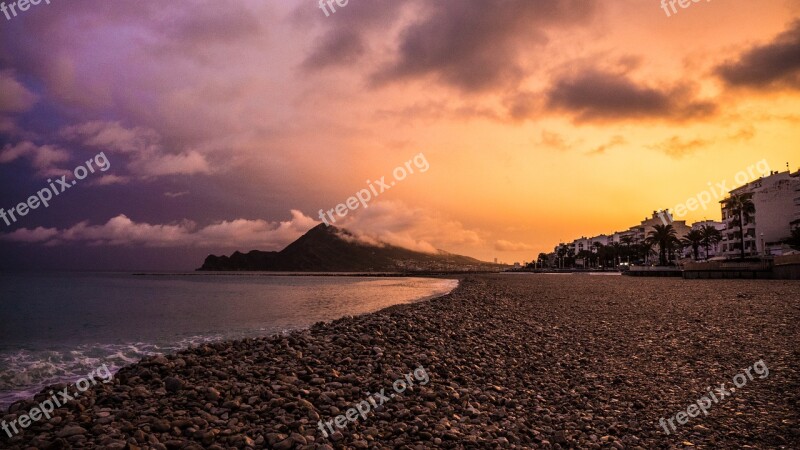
514,361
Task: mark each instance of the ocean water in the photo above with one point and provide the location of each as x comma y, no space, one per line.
59,327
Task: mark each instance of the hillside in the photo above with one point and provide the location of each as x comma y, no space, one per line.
331,249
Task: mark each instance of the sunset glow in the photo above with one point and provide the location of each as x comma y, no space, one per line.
228,126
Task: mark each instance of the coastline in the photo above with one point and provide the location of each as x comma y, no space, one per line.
255,273
164,315
531,362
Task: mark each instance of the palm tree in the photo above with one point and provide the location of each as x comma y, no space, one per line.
617,250
542,259
711,236
561,253
741,205
645,248
586,256
565,253
598,250
674,245
665,237
693,239
627,241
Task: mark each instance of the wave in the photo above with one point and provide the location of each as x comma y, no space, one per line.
24,373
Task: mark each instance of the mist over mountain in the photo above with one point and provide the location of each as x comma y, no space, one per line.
330,249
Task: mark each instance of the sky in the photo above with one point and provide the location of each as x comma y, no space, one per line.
221,126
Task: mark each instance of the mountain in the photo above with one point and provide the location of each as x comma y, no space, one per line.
330,249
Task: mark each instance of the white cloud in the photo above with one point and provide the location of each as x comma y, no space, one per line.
148,157
14,97
43,157
106,180
175,194
121,230
187,163
382,223
113,137
38,234
412,228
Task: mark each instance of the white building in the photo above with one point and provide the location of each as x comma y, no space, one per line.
663,217
714,249
602,239
776,198
637,233
581,244
585,243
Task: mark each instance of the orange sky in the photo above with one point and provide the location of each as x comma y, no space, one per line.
541,121
506,179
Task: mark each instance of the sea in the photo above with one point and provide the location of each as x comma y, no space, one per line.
58,327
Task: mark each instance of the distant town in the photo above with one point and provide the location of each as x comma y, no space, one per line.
760,220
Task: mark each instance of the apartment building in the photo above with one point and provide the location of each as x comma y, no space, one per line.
641,231
776,198
713,250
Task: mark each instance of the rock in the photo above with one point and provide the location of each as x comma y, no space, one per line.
161,426
71,430
172,384
285,444
511,362
160,360
212,394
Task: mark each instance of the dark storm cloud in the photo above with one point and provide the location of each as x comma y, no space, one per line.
166,29
774,64
472,46
366,15
346,31
476,46
593,95
227,23
339,46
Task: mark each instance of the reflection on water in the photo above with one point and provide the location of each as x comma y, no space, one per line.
59,327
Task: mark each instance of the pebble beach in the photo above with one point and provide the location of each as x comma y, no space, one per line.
514,361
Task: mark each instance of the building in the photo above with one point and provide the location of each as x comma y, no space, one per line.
776,198
663,217
581,244
602,240
552,260
635,234
588,244
714,249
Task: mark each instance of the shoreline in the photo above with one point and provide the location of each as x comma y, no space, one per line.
187,342
513,362
247,273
